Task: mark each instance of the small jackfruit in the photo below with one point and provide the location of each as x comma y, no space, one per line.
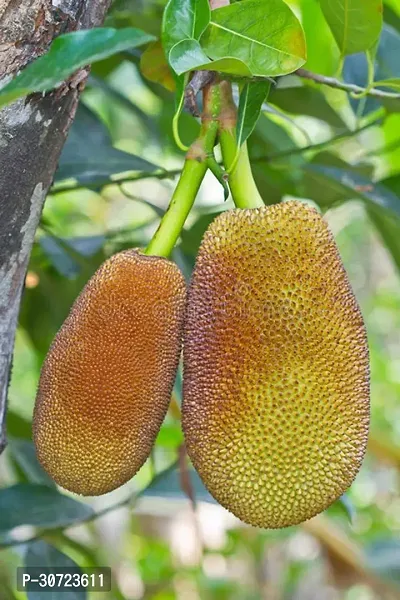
106,382
276,371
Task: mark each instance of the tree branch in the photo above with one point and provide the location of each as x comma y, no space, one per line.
346,87
32,134
267,158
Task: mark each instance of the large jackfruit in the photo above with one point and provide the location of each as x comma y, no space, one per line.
276,373
106,382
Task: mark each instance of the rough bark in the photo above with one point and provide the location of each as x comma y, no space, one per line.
32,134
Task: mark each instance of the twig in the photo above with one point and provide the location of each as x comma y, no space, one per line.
198,82
312,147
164,174
266,158
346,87
333,540
187,488
184,476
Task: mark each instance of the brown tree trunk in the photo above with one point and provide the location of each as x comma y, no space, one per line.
32,134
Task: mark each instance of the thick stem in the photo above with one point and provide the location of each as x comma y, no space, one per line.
32,134
182,200
241,181
192,175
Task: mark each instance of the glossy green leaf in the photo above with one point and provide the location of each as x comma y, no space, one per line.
355,24
322,51
88,155
252,97
168,485
184,19
24,455
41,554
189,55
183,23
68,53
39,505
265,36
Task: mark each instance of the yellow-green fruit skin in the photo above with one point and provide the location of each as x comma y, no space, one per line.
276,370
106,382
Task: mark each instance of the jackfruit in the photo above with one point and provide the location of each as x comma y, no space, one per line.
276,370
106,382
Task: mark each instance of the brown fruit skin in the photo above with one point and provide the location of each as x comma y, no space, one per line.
276,371
107,380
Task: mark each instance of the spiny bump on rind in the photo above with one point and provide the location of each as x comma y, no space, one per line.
276,371
106,382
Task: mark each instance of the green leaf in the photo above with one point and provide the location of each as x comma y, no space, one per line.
154,66
24,455
183,22
45,306
17,426
355,24
391,17
342,507
40,554
192,237
189,55
359,186
170,436
265,36
252,97
184,19
322,52
119,98
66,253
168,485
393,183
388,228
40,506
88,155
68,53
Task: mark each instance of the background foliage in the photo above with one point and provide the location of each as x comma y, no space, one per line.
113,183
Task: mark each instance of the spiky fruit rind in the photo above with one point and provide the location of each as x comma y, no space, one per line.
276,370
106,382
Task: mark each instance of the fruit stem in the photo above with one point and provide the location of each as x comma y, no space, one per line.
236,161
194,169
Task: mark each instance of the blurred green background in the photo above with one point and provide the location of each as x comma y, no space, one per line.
112,185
